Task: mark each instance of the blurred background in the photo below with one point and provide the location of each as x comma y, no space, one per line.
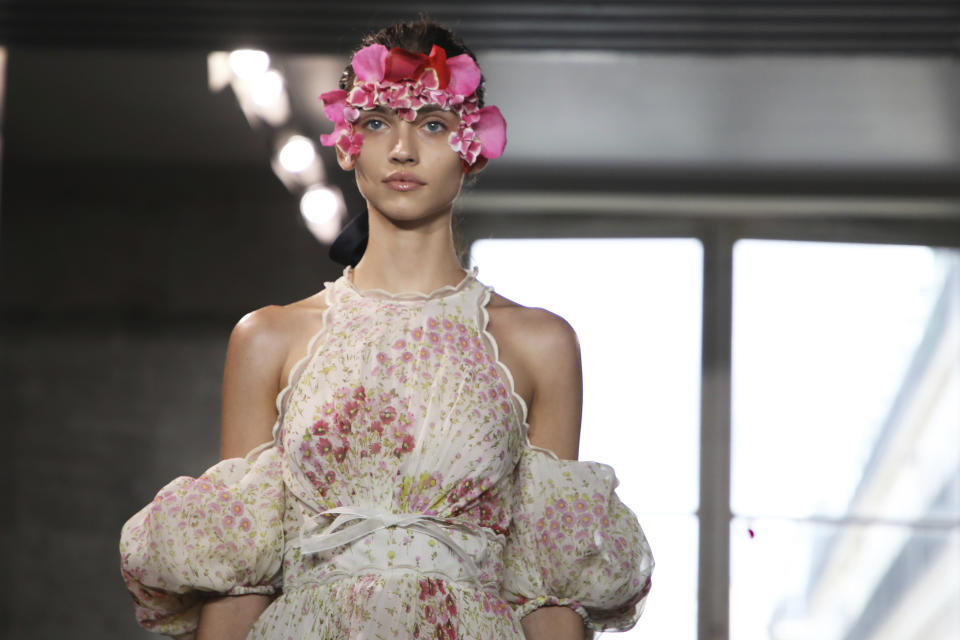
749,211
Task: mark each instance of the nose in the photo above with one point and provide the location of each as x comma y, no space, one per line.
404,150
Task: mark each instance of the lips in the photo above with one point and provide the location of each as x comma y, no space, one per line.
403,181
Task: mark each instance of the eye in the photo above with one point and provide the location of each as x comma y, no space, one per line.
435,126
374,124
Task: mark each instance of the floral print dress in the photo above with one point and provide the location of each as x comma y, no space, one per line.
399,498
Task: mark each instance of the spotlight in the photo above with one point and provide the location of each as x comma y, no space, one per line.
267,88
249,63
322,208
297,154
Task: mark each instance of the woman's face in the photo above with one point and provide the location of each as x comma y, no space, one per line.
407,171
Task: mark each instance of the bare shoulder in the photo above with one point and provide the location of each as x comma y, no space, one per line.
542,350
262,345
535,328
272,327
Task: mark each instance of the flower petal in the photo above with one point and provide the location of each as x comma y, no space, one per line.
328,140
492,131
368,63
333,104
464,75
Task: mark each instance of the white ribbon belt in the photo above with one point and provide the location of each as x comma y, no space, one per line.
366,521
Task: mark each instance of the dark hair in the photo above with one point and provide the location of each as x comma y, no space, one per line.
417,37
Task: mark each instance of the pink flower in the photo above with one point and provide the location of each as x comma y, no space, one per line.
492,131
417,334
352,408
324,446
237,508
387,414
350,144
228,521
464,75
424,353
369,63
405,446
406,356
362,96
447,324
400,344
334,103
382,357
245,524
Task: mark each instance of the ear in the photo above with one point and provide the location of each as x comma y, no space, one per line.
477,166
347,163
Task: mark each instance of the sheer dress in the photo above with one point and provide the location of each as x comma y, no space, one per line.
399,497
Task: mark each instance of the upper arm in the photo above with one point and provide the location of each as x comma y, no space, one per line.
552,353
251,377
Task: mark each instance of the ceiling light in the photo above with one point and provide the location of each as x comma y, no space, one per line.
297,154
322,208
249,63
267,88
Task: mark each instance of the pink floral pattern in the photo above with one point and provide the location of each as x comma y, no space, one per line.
399,407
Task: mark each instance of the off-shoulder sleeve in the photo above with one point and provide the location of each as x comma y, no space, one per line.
573,543
220,533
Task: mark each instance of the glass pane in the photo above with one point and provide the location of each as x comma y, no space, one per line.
797,580
636,307
846,381
671,608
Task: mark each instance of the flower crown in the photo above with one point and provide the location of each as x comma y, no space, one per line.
405,81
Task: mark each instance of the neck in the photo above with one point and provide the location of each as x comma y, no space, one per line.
405,259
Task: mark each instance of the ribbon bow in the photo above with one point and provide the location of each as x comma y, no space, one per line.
366,521
401,64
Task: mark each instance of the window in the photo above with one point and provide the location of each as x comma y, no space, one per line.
845,441
636,307
844,425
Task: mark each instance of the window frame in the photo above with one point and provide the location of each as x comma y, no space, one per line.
717,234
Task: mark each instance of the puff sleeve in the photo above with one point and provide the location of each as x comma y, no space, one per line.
573,543
218,534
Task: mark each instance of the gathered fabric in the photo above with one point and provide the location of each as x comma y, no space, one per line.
400,496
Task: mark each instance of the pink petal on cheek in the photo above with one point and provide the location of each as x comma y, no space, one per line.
368,63
328,140
492,131
464,75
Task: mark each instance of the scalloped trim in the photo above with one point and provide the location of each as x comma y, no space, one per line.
505,371
411,296
297,370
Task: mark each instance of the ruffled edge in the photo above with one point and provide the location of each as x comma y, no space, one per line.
408,296
283,397
518,400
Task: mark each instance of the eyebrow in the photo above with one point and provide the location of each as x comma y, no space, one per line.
421,112
433,108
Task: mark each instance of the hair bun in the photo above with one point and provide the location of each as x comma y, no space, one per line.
351,242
